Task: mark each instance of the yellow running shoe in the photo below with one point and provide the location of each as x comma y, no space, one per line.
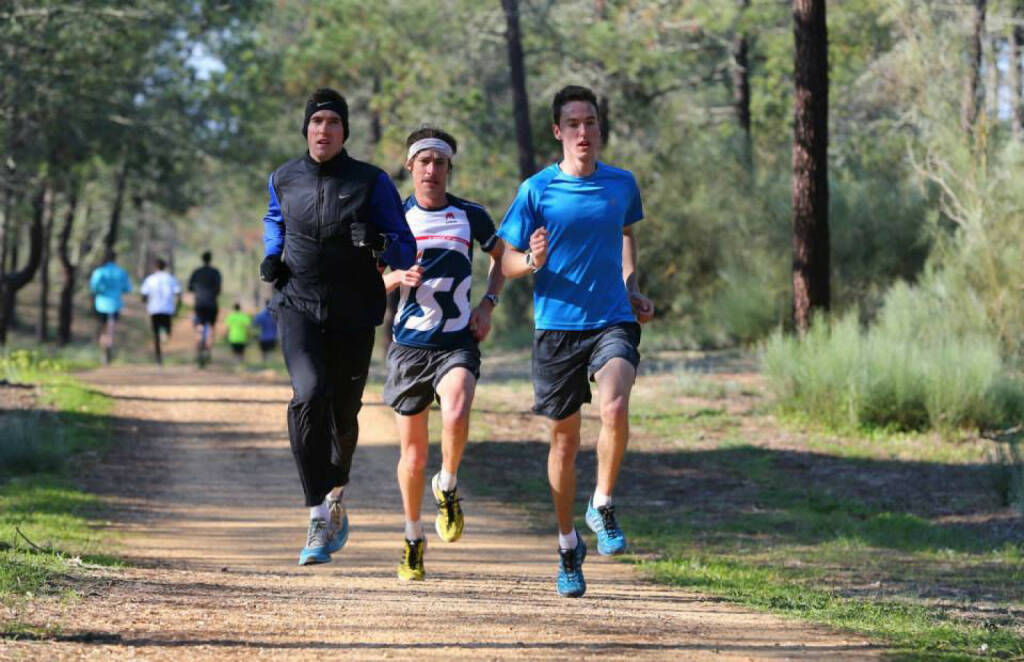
449,520
411,567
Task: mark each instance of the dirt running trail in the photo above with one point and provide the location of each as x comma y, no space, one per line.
207,497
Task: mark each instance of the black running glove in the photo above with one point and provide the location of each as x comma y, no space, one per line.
271,269
363,236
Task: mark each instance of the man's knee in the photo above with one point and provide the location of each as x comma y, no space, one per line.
455,412
615,410
565,437
413,459
307,388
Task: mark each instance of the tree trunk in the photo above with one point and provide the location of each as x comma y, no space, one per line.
42,324
16,279
810,162
741,87
376,130
67,291
993,78
1016,91
7,224
602,119
970,103
144,238
520,102
114,228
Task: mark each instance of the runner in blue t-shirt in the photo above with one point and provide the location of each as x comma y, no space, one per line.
108,282
435,353
571,226
265,322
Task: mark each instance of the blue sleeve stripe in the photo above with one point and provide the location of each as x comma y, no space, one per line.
388,214
273,224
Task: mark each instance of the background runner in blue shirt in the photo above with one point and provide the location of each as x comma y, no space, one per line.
108,283
267,325
571,226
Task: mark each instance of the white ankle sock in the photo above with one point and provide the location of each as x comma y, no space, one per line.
319,512
568,540
599,499
413,530
446,481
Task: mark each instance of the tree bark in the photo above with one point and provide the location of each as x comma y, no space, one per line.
42,323
15,279
993,77
67,291
114,227
970,103
376,130
811,285
741,87
144,237
602,119
520,102
1016,91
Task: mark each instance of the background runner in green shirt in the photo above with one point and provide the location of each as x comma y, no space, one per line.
238,324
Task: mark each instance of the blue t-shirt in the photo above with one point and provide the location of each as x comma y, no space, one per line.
108,282
580,286
436,313
266,324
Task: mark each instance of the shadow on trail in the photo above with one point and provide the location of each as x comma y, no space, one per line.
604,648
795,496
221,400
756,503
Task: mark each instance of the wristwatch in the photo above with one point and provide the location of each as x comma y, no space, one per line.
493,298
530,263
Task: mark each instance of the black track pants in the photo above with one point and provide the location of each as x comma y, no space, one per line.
328,372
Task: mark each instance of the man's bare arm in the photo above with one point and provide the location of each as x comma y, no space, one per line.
514,262
643,308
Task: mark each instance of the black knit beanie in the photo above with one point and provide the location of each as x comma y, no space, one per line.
326,99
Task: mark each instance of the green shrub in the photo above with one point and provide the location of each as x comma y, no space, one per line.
31,445
918,366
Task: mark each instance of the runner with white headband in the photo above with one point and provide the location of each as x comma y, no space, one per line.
435,353
435,144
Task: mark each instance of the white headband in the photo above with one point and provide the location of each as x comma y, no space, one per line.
429,143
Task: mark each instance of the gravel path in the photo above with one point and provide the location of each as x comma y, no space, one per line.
207,500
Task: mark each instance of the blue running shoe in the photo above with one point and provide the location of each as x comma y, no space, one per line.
315,550
337,525
610,538
570,571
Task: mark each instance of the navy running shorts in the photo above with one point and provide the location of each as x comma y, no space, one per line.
205,315
160,321
414,372
564,364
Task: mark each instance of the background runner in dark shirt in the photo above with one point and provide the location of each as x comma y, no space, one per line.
205,283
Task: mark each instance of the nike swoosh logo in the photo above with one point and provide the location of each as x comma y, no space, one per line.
342,196
357,378
322,103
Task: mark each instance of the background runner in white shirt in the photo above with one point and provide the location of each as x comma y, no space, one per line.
162,293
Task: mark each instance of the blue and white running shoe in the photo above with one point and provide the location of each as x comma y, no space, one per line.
610,538
570,570
315,550
337,525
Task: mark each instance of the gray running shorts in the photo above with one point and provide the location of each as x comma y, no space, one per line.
414,372
564,364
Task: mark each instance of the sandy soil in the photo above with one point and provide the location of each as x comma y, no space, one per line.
206,497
